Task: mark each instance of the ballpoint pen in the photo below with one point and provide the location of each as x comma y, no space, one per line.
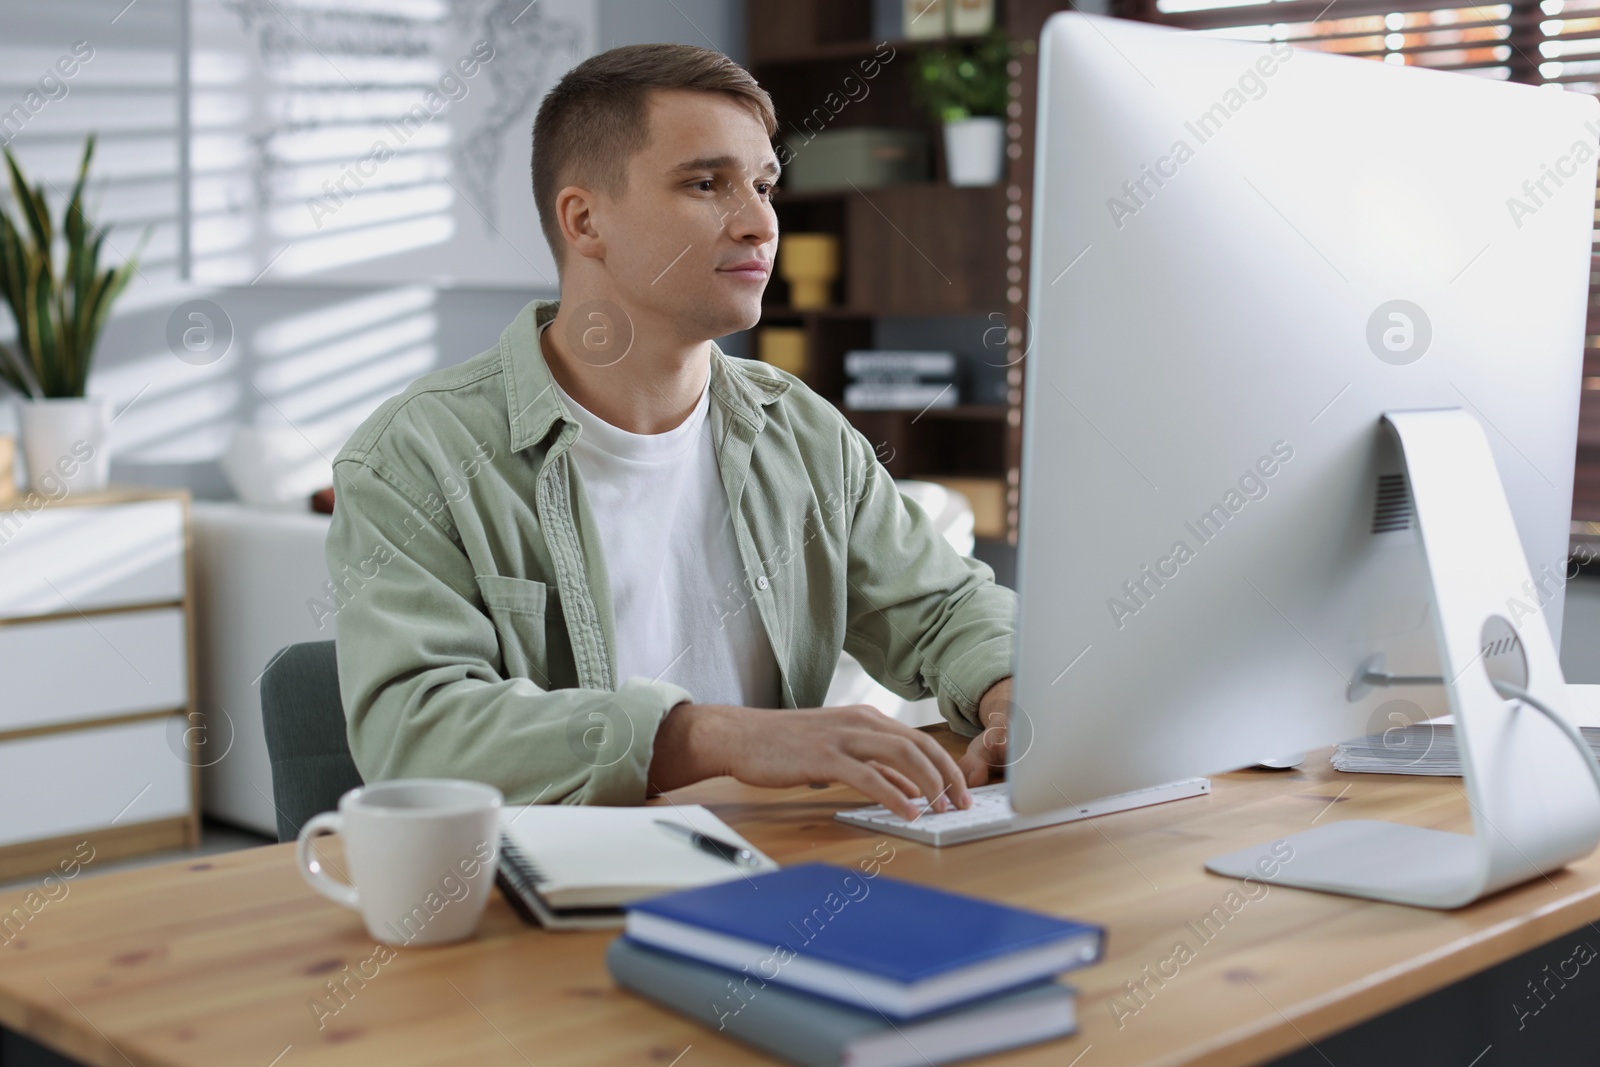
735,854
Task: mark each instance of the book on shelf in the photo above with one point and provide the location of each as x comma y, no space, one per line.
925,20
814,1032
970,18
877,943
900,396
887,380
864,362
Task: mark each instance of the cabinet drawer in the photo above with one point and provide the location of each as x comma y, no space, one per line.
66,670
60,559
64,783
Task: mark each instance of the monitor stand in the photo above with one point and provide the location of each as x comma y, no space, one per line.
1534,803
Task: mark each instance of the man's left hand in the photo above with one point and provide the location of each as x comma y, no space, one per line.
988,750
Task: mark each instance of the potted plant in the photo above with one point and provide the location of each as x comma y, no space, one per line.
60,311
966,88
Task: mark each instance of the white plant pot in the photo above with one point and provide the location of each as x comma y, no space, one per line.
66,444
974,150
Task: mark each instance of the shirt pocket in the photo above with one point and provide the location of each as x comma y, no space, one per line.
527,615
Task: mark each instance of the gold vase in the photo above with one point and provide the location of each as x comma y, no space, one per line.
809,262
783,347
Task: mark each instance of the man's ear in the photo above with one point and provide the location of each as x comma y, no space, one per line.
575,211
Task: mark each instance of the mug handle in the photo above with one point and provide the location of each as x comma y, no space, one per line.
329,822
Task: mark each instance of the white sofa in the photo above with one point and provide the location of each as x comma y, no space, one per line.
257,570
259,577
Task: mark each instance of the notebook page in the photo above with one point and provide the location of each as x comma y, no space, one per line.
600,856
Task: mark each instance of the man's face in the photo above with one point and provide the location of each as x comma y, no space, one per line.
691,238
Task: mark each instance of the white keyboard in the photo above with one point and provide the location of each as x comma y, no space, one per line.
991,814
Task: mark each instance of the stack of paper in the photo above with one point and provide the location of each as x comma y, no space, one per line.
1430,747
1426,748
891,381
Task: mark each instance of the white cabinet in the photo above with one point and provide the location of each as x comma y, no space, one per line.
65,670
97,715
91,556
82,781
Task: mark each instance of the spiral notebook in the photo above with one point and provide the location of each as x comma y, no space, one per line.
569,867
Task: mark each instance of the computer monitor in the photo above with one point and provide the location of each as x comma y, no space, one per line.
1296,319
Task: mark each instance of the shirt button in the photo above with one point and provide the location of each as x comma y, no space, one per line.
761,582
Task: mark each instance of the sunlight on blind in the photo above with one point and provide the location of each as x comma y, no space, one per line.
280,156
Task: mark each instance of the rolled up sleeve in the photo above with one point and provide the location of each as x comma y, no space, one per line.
922,619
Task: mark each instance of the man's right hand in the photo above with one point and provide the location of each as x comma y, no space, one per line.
880,757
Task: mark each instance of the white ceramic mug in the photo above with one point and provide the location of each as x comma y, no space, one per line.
421,853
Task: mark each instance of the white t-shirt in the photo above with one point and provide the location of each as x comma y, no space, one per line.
682,612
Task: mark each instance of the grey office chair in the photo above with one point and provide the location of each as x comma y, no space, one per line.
306,743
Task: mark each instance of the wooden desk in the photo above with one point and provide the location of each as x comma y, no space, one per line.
218,961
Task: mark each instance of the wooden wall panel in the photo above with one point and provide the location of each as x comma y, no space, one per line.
927,250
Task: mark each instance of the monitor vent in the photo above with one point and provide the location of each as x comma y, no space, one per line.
1391,509
1499,647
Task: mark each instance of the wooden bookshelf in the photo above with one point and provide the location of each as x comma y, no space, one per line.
927,250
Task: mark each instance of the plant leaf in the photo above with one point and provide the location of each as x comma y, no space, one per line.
106,290
17,374
64,325
17,258
27,267
41,338
30,202
74,226
12,276
59,317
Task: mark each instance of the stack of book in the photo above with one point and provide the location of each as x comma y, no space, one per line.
822,965
900,381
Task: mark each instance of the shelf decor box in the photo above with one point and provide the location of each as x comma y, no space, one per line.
865,157
100,739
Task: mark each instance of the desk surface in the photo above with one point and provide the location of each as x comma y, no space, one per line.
218,961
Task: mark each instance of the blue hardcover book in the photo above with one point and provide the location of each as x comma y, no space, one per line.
876,942
813,1031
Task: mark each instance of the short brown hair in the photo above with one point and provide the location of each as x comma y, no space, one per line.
597,117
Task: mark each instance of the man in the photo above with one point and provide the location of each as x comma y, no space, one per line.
604,560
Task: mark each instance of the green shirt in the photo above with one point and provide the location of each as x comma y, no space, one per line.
475,634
